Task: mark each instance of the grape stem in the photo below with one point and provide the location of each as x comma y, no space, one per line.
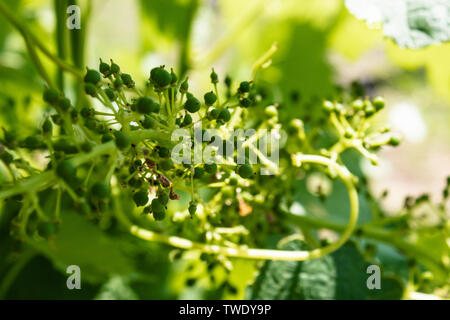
264,254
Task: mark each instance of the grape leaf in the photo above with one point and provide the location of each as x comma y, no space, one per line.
39,279
410,23
117,288
291,280
78,242
340,275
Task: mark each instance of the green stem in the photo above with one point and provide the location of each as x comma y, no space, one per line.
26,33
59,7
265,254
372,232
37,62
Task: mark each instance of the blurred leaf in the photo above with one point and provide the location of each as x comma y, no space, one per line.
173,17
117,288
40,280
303,64
340,275
78,242
352,38
5,26
391,289
410,23
392,260
291,280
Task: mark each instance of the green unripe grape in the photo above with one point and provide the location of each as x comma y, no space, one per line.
107,137
271,111
56,118
184,86
358,104
123,141
90,123
74,115
173,78
328,106
51,96
192,209
32,142
245,102
127,80
115,69
224,115
211,168
148,123
159,215
92,76
369,110
166,164
104,68
199,172
233,181
146,105
244,86
163,152
87,112
394,141
348,134
65,145
118,83
210,98
87,146
66,170
101,128
378,103
214,113
187,120
160,77
9,138
140,198
135,183
47,127
214,77
157,206
64,104
192,105
245,171
90,89
147,210
111,94
163,198
6,157
228,81
101,190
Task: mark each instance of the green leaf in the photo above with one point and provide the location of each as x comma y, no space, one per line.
173,17
291,280
40,280
341,275
305,71
78,242
410,23
392,288
117,288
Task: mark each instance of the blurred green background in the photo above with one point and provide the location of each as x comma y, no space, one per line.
321,47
